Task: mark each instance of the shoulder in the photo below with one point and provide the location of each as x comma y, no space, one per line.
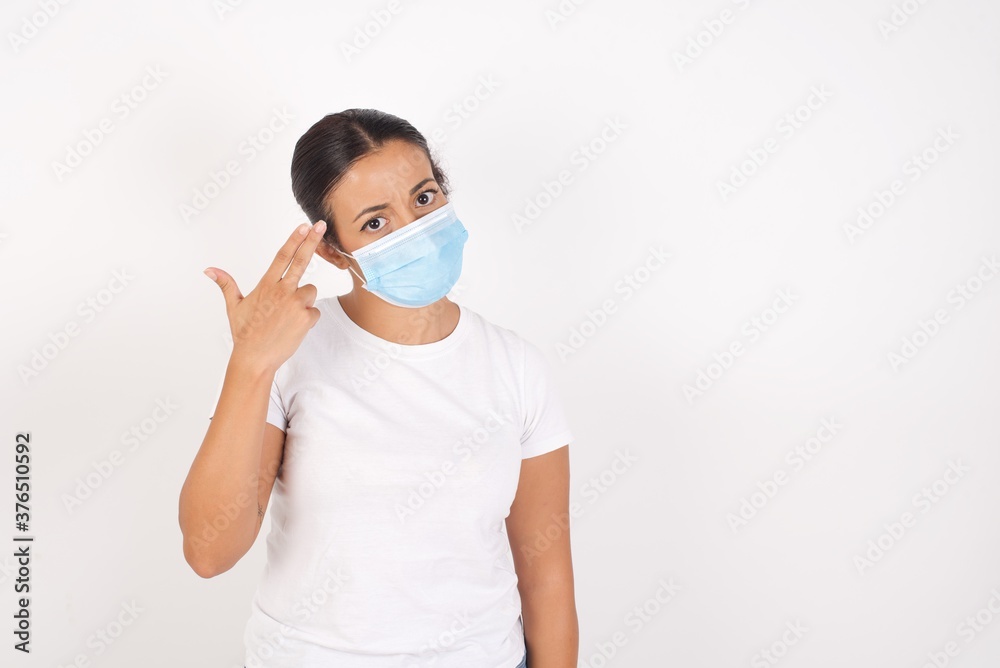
322,337
524,355
493,332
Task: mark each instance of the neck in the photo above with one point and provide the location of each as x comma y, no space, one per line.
405,326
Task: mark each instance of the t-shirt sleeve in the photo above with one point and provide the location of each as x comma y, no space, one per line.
546,427
276,414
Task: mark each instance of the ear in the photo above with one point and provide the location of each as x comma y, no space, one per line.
329,253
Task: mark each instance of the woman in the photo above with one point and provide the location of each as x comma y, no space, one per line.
418,453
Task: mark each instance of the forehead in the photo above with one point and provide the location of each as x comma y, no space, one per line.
384,175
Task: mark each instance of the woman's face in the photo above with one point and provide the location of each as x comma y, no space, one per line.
382,192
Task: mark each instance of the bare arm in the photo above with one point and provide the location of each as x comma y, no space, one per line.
227,490
223,499
545,577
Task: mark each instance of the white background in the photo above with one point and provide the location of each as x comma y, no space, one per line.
892,81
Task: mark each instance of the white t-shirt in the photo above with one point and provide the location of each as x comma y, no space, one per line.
388,546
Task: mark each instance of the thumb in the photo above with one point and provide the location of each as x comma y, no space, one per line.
230,292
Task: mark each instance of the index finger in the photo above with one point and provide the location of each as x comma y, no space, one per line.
300,244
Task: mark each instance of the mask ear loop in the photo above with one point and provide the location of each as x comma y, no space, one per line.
361,278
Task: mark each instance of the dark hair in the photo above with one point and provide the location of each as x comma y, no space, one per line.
333,144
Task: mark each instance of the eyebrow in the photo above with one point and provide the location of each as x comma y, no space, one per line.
413,190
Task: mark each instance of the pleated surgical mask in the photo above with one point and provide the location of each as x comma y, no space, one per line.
417,264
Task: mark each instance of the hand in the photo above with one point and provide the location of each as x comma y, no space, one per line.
268,325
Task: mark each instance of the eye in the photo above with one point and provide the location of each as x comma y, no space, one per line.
430,192
373,220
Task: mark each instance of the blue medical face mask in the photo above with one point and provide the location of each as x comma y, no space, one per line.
417,264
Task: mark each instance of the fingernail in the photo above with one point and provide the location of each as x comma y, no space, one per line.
303,228
319,227
211,274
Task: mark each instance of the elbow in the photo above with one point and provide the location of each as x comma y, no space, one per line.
206,556
197,557
203,571
205,565
205,568
199,564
